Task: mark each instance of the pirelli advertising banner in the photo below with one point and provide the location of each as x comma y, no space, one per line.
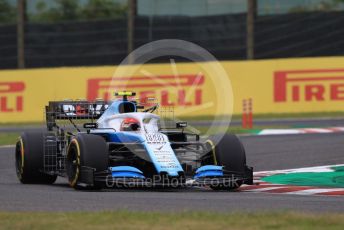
276,86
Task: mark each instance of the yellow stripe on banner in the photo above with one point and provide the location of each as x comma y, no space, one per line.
295,85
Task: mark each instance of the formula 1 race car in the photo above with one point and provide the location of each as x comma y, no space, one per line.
125,144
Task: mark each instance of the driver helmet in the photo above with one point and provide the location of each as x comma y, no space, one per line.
130,124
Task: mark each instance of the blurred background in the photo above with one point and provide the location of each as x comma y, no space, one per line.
54,33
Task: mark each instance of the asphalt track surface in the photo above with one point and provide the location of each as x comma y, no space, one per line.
263,152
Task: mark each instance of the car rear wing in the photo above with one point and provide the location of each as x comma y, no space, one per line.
73,110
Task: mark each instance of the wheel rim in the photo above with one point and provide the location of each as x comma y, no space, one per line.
72,164
19,160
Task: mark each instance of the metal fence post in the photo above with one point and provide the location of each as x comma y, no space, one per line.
21,8
131,27
251,14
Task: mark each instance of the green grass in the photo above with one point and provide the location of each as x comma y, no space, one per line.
168,221
8,138
268,116
11,138
21,124
338,114
234,130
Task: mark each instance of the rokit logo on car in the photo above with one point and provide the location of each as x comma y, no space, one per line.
11,96
155,138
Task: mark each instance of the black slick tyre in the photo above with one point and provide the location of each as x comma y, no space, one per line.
227,151
85,150
29,159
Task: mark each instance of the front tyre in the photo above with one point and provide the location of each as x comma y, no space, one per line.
29,159
227,151
85,150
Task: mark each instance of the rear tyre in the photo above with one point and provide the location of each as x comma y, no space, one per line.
228,151
29,159
86,150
